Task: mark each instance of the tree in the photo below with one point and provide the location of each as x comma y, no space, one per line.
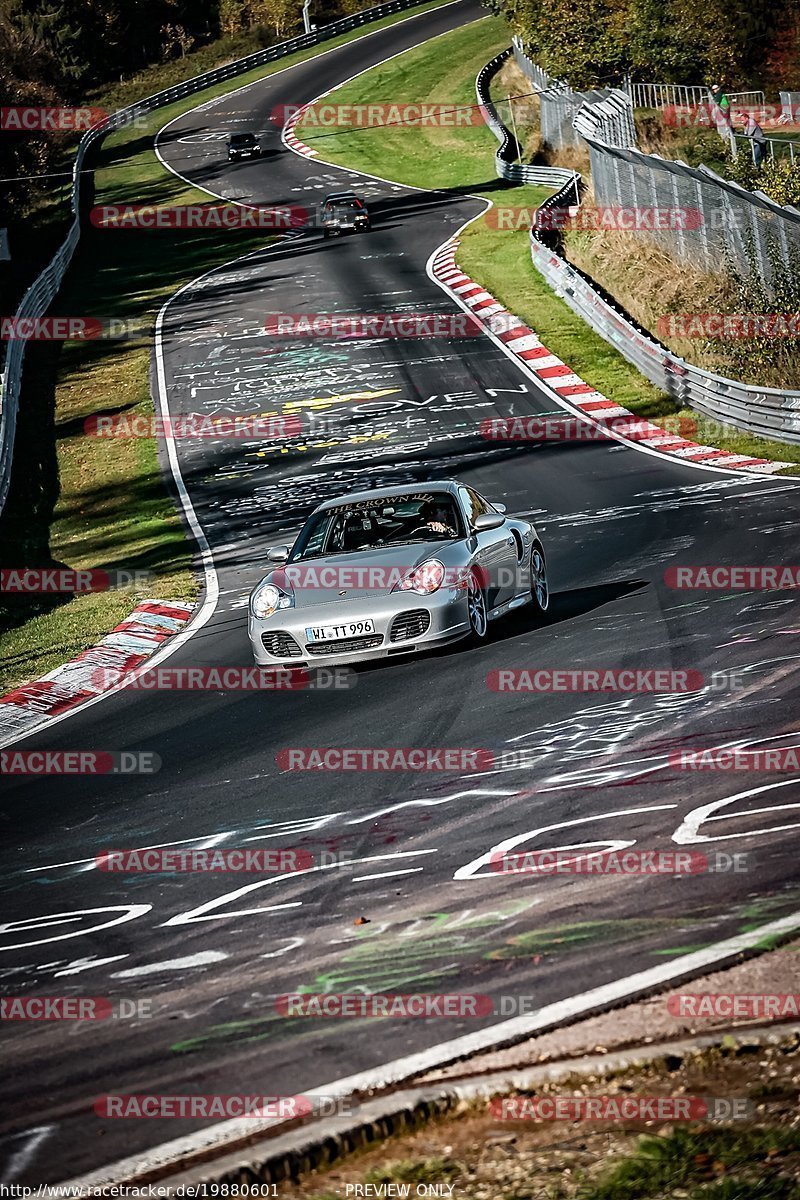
282,15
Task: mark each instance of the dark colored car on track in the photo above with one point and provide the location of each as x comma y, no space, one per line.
344,212
243,145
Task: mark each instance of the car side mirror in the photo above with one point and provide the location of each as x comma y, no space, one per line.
488,521
278,554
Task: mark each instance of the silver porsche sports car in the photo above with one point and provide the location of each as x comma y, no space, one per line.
394,571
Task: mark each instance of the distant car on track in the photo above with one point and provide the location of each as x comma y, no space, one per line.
344,212
394,571
243,145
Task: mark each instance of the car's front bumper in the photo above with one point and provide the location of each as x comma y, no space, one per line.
445,610
356,227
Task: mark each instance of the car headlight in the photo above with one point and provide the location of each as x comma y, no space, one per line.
267,599
425,579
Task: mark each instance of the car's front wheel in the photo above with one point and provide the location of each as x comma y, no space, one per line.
540,592
476,610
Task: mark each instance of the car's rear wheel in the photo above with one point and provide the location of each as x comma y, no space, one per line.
540,591
476,609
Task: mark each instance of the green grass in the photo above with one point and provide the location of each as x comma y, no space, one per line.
462,159
441,72
414,1171
96,502
711,1164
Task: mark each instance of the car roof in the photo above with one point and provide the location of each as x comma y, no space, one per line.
448,486
341,196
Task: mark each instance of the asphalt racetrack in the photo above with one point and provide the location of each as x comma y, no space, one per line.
408,852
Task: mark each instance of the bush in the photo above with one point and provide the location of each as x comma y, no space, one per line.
778,178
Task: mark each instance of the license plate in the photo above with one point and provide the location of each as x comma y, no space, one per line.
332,633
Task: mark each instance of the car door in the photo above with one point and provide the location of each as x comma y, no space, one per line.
496,552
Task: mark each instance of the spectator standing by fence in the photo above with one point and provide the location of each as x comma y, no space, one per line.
721,101
753,130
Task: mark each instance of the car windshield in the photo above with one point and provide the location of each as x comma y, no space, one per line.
371,525
243,139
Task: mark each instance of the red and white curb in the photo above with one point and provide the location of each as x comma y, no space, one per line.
524,344
95,670
289,138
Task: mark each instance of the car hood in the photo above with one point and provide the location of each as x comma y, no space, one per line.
370,573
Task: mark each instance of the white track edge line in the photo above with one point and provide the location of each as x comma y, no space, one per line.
514,1030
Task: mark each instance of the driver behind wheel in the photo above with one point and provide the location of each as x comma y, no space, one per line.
438,517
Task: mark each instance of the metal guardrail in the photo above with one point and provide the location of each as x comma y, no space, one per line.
660,95
790,107
775,147
770,412
504,159
40,294
609,120
728,222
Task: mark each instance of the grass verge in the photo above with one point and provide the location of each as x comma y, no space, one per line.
88,502
484,1158
460,159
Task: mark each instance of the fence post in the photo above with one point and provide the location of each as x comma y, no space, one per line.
703,227
681,232
763,258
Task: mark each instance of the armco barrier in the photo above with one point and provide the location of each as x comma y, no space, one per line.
767,411
509,150
770,412
40,294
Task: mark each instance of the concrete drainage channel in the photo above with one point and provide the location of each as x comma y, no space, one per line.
291,1155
